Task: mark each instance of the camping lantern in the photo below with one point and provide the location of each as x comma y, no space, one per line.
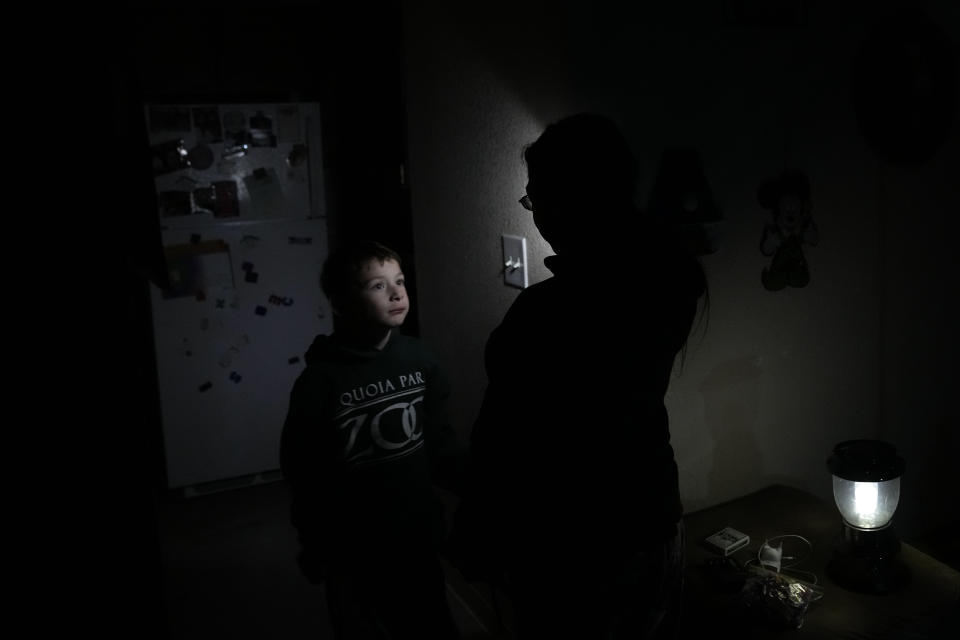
866,489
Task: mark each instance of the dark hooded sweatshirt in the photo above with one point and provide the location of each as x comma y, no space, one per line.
363,430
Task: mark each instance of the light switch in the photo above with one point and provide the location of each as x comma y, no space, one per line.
515,261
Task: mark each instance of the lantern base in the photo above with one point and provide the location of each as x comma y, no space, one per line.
868,561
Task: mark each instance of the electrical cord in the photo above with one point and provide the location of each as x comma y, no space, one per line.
786,568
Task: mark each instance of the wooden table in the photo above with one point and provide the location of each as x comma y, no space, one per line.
927,606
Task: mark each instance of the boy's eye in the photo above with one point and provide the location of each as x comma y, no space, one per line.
379,285
401,282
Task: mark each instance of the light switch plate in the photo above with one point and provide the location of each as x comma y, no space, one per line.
514,261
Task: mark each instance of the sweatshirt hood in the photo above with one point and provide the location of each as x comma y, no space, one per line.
333,347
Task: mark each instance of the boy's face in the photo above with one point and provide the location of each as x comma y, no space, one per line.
381,298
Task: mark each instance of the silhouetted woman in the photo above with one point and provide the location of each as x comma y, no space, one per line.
574,502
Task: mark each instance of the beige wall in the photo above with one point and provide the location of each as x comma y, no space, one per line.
775,379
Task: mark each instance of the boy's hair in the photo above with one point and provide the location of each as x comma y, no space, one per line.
339,275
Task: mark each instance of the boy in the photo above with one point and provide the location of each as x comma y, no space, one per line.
360,446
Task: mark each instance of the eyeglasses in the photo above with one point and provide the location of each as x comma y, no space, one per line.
527,203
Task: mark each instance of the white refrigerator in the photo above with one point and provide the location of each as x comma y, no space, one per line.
240,192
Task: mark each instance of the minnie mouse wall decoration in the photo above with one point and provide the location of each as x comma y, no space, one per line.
791,226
